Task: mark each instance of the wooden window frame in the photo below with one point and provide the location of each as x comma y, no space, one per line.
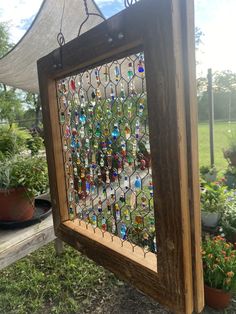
164,31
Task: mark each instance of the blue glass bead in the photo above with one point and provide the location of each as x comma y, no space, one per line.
137,183
123,230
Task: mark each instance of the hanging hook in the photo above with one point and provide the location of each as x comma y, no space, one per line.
88,14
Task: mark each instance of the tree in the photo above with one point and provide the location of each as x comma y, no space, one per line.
10,104
5,44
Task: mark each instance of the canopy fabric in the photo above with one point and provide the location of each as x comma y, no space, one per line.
18,68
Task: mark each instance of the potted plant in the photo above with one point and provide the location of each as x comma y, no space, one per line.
228,220
230,177
208,173
219,267
230,151
213,202
21,179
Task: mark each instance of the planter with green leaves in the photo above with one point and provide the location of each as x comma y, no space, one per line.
228,221
208,173
219,267
213,203
230,177
230,151
21,179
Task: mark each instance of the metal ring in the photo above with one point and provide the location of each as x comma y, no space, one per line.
60,39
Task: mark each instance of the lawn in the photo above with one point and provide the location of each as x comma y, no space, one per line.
221,133
43,283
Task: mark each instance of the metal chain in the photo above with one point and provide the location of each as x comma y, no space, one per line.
88,14
128,3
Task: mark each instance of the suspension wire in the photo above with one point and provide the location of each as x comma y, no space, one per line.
128,3
60,36
88,14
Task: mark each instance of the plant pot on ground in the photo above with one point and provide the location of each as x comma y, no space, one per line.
230,177
213,202
219,267
21,179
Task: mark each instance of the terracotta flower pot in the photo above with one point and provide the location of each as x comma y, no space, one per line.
15,205
217,299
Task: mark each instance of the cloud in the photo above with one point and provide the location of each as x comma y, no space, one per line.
17,14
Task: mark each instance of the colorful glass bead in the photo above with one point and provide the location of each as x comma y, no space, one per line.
113,226
117,211
87,187
82,117
104,224
72,85
112,93
81,132
137,183
129,109
117,73
106,73
108,181
123,231
137,129
141,107
99,205
144,202
62,117
142,164
138,220
98,93
141,65
71,213
122,92
127,214
108,205
150,188
127,131
115,133
65,146
155,244
98,132
130,72
76,117
94,220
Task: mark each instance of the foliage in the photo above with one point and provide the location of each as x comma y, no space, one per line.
213,198
45,283
219,263
13,140
230,177
30,173
205,170
34,144
231,147
224,96
5,45
10,106
228,220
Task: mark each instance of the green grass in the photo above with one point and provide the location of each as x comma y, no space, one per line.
45,283
220,141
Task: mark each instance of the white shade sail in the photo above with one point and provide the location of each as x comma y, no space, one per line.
18,68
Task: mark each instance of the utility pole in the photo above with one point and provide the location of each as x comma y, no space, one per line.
211,116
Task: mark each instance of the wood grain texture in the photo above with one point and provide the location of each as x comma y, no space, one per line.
192,148
16,244
158,28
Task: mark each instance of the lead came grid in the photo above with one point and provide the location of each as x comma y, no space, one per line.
105,138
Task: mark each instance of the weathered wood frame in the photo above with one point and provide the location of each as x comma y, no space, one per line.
164,30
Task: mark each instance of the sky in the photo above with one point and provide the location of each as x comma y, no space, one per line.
215,18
